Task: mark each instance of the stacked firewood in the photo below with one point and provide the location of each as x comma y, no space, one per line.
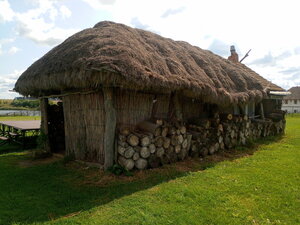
152,144
155,143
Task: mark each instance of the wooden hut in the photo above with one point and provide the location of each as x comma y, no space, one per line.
119,84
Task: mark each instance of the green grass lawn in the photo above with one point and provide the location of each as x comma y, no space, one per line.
6,118
263,188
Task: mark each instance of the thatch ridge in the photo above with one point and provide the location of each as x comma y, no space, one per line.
112,54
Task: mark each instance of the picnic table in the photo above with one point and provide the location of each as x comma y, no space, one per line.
20,131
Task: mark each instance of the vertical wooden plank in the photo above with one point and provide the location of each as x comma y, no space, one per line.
44,122
177,107
110,127
262,113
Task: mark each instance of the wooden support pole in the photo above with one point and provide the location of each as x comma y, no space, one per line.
177,107
44,123
110,127
262,114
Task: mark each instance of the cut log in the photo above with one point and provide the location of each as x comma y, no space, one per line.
183,154
182,129
176,139
177,148
204,123
226,116
222,146
232,134
211,150
195,147
217,147
157,132
159,141
122,138
220,139
136,156
145,141
185,143
160,152
121,150
220,128
141,164
172,131
180,139
159,122
152,148
137,149
133,140
164,131
123,144
148,126
167,142
128,164
145,152
129,153
124,131
170,149
189,141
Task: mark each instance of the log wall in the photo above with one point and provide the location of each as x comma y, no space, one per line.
154,143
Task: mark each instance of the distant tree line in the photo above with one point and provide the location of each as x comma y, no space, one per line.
32,104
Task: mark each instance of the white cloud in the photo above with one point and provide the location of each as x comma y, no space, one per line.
13,50
170,12
7,83
32,24
6,13
5,41
39,23
100,4
65,12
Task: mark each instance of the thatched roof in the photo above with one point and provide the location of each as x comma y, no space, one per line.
112,54
295,93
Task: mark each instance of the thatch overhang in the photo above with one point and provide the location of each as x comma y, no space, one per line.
115,55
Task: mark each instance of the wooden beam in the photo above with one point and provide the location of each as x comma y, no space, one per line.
262,113
177,107
110,127
44,123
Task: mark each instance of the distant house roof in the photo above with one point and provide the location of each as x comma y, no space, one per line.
112,54
295,93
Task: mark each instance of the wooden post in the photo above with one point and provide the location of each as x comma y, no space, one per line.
177,106
110,127
262,114
44,123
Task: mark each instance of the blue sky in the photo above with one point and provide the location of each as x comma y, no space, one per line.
30,28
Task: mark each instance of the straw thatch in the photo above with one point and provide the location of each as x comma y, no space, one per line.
111,54
295,93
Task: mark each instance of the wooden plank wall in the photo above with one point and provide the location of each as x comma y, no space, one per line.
191,108
84,126
132,107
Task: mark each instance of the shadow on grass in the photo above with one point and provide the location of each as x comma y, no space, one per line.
48,191
9,148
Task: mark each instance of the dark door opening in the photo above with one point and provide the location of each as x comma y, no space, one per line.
56,128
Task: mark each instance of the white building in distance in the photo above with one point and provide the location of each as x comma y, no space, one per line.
291,103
